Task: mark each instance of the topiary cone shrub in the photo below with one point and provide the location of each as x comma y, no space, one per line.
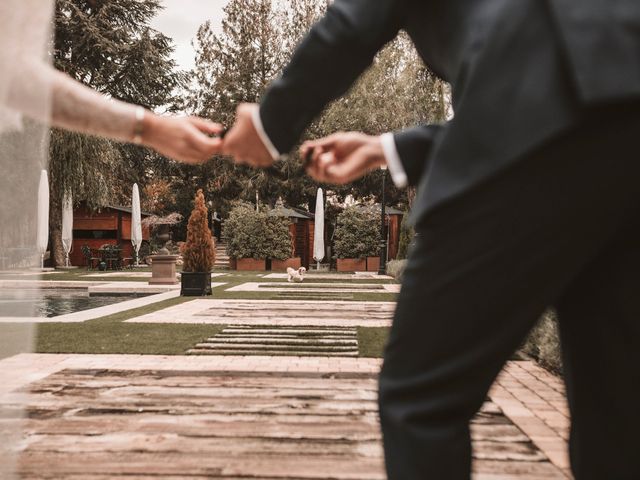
198,252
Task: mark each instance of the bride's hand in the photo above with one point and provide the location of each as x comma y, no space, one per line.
182,138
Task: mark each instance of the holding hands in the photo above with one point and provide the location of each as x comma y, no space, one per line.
339,158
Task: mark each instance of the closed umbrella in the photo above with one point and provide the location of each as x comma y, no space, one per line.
136,221
42,239
318,231
67,226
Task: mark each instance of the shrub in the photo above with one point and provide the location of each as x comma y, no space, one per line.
543,343
407,233
395,268
357,234
198,251
254,234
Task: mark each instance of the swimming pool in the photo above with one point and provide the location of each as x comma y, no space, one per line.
53,302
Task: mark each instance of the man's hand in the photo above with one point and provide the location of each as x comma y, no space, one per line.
182,138
343,157
243,142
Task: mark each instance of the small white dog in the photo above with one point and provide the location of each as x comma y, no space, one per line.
296,275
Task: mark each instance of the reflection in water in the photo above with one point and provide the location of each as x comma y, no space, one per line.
52,302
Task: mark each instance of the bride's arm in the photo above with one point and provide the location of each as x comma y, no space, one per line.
81,109
76,107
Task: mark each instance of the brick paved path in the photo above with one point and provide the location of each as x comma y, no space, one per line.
107,416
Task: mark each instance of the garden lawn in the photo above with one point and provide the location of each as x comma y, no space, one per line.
110,335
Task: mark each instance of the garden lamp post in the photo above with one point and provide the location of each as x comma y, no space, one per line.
382,269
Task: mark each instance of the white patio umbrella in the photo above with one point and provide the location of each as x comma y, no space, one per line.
318,230
67,226
136,221
42,238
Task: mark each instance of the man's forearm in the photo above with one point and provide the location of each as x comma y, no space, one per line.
327,62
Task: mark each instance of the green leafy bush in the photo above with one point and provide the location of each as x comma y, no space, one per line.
357,234
395,268
407,233
543,343
254,234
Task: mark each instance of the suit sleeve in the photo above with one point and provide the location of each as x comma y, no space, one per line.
414,146
326,63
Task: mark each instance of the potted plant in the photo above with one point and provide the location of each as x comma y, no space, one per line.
246,242
356,238
198,252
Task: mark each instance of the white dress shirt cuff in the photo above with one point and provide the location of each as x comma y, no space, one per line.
398,175
257,124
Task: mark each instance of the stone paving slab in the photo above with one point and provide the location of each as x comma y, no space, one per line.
275,312
316,287
127,274
237,417
334,276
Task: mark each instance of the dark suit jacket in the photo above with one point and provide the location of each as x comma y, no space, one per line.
521,72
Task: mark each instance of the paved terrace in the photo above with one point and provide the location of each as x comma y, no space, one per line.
117,416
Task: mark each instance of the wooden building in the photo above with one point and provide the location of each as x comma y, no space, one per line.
110,225
301,229
393,223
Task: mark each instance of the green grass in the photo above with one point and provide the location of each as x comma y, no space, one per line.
372,340
110,335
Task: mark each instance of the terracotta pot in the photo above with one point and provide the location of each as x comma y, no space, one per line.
373,264
352,264
250,264
282,265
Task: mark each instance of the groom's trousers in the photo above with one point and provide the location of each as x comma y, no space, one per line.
560,228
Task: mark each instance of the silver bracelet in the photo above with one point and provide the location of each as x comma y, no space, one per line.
138,129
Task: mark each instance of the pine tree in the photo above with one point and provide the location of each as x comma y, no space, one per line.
107,45
199,250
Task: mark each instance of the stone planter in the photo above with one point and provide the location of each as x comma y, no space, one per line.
282,265
352,264
163,270
195,284
250,264
373,264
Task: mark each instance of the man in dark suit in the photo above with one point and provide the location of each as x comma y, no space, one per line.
528,197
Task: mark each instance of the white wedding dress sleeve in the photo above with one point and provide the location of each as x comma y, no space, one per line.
31,87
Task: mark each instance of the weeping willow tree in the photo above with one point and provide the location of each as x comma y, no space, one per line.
107,45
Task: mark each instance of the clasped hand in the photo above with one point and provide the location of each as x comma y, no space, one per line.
339,158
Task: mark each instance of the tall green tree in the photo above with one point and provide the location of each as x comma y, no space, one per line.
257,39
109,46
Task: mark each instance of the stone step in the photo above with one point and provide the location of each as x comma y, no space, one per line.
278,341
264,331
290,348
272,353
308,338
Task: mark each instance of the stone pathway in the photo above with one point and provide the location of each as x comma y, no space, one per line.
266,340
334,276
275,312
309,287
117,416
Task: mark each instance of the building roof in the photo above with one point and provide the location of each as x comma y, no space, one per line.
125,210
285,212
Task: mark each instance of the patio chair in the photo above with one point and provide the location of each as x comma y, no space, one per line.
89,258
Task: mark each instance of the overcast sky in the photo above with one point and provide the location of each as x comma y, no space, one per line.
180,20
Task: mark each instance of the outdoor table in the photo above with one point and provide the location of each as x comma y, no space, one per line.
111,257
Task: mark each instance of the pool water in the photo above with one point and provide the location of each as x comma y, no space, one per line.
52,302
